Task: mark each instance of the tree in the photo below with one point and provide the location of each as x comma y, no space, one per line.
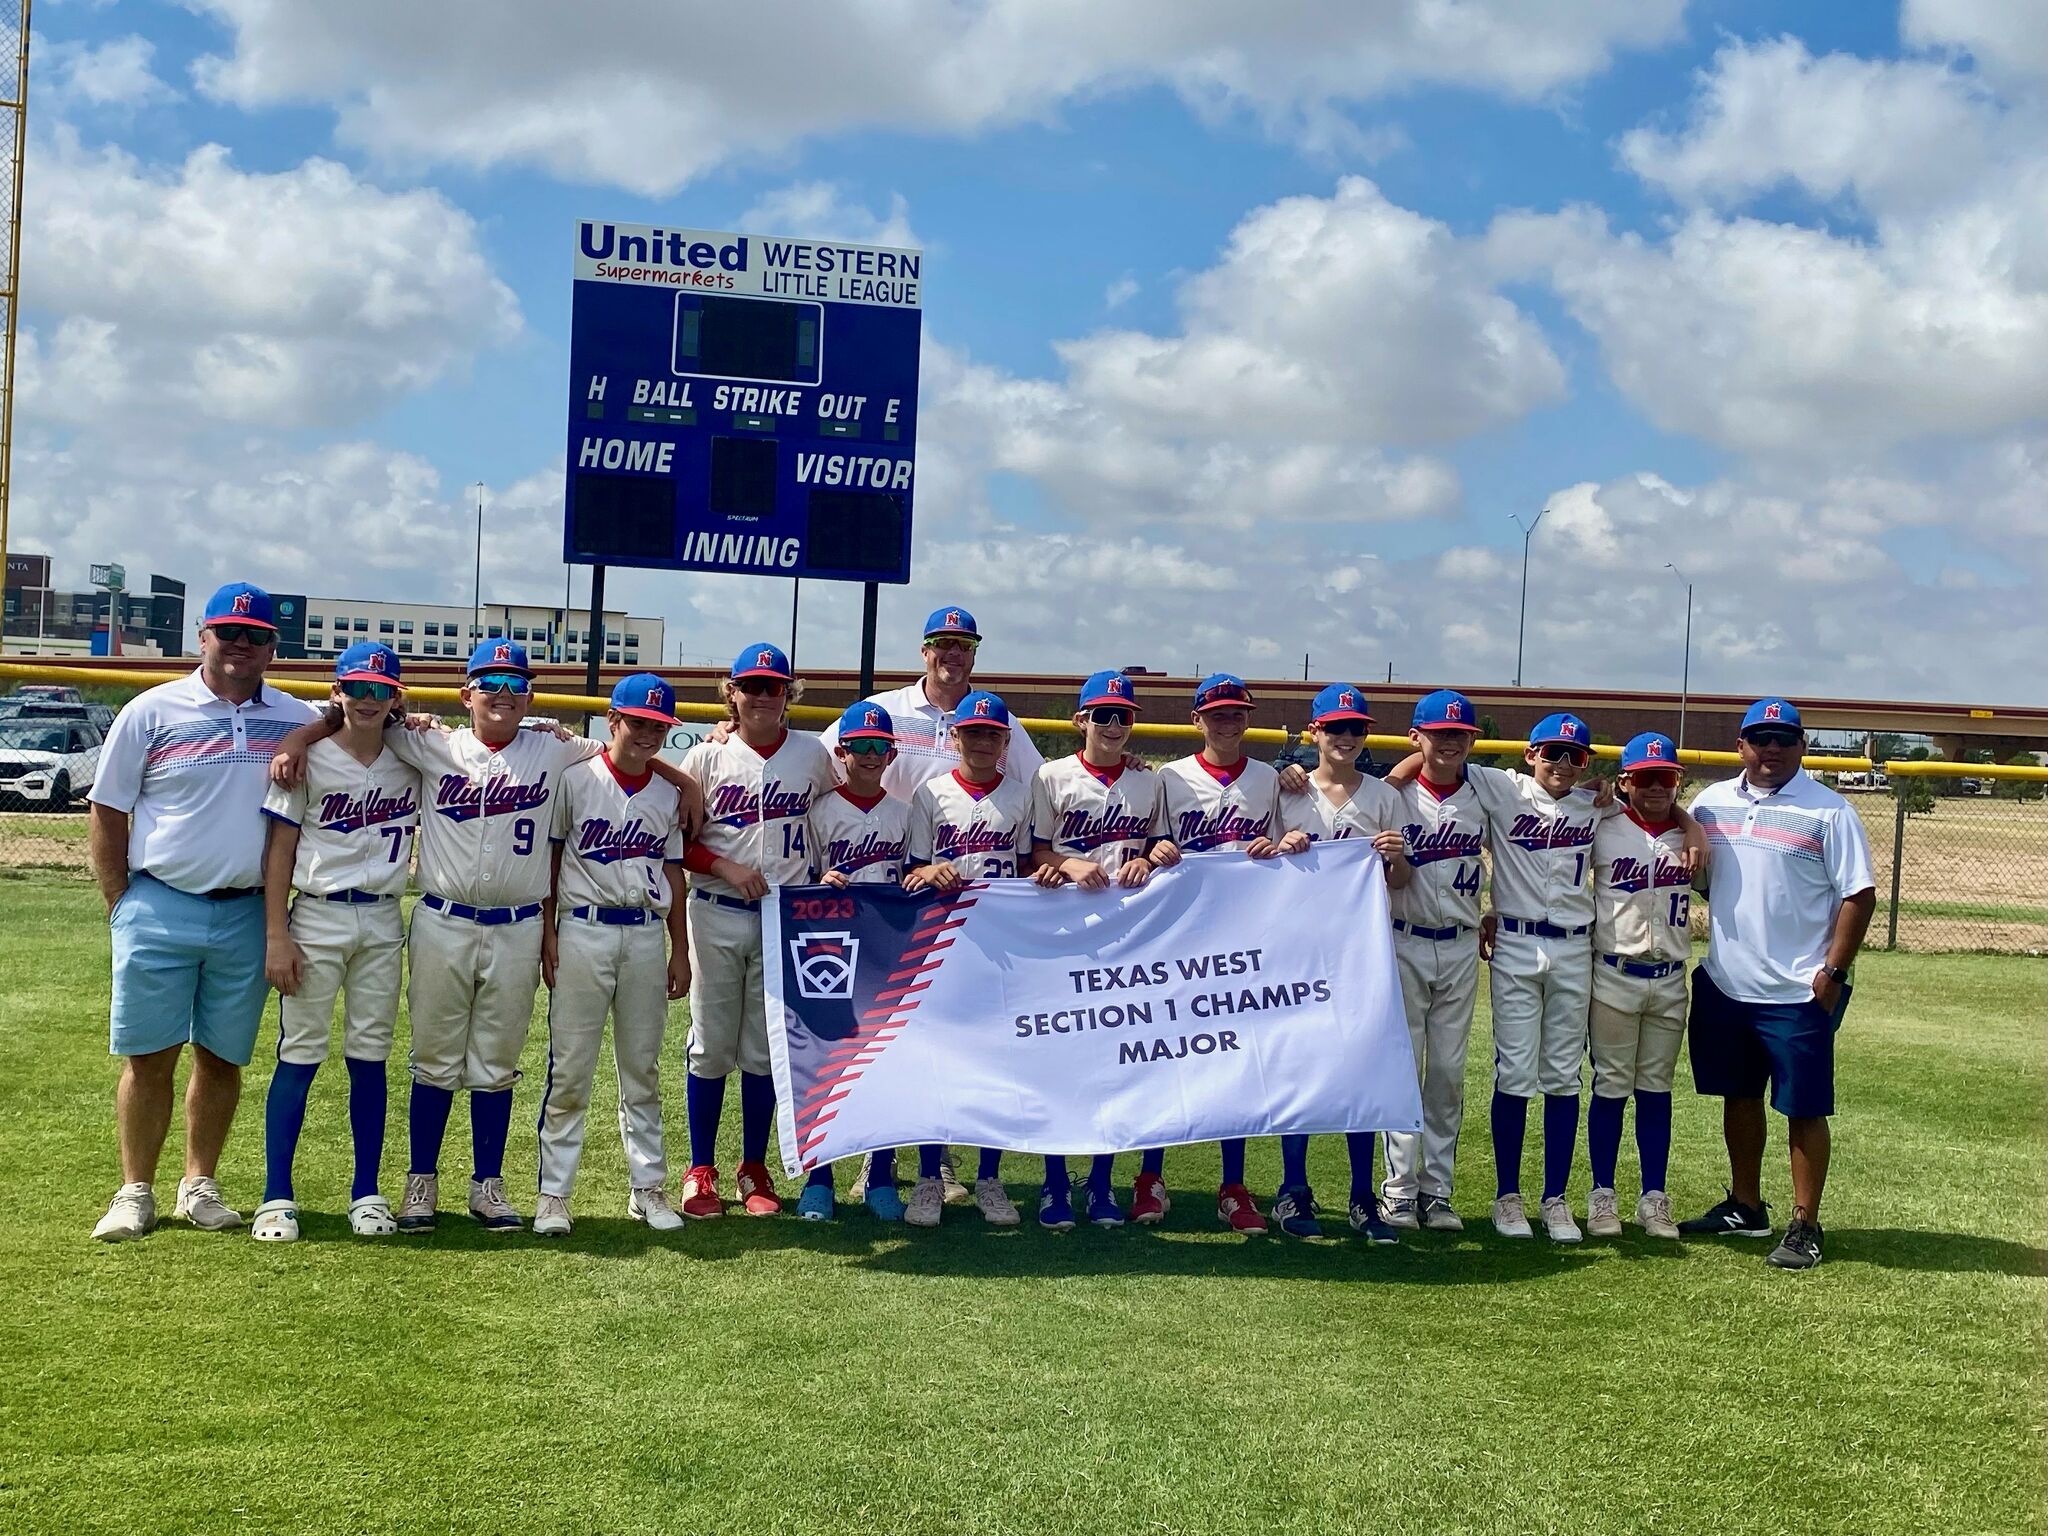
1916,793
2019,789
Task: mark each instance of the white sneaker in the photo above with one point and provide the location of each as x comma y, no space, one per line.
1509,1218
1558,1225
276,1221
1603,1214
956,1192
994,1201
371,1217
1438,1216
1653,1214
551,1217
487,1203
927,1200
132,1213
199,1202
421,1207
652,1207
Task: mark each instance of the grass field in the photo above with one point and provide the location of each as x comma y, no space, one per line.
772,1376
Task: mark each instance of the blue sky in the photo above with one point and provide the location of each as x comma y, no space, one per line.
1767,305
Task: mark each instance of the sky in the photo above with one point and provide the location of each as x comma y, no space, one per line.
1249,332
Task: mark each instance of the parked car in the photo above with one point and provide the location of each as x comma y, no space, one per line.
53,693
46,763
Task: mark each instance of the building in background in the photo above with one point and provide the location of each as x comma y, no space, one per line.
38,618
327,626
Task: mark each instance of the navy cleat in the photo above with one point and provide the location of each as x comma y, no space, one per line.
1295,1210
1103,1211
1365,1221
1056,1210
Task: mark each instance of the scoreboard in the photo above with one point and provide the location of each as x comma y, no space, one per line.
741,403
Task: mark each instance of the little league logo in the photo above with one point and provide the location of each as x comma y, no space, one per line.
825,965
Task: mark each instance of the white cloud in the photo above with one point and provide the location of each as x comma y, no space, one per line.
1120,292
2006,37
822,210
116,73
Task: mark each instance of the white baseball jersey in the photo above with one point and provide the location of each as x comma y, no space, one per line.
356,822
924,743
1103,814
1446,833
864,842
617,838
983,831
1642,896
1210,809
757,805
1374,807
485,822
1542,847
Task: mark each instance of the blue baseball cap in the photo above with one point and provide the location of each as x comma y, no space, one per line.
367,661
1565,729
951,621
239,603
981,708
1109,688
1339,701
1222,690
1780,712
1445,710
499,656
1649,749
763,660
866,720
645,697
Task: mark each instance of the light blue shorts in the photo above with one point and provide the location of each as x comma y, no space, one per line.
186,969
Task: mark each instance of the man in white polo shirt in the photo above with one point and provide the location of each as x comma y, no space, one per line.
177,847
1790,899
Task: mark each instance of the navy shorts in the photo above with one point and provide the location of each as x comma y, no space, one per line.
1740,1048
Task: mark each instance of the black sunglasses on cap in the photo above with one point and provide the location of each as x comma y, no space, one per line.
1558,752
1772,736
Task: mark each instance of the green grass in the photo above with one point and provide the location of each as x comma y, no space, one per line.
767,1376
1978,911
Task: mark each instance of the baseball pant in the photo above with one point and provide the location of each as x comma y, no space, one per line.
351,950
623,972
1540,990
1439,985
728,1020
1635,1045
470,995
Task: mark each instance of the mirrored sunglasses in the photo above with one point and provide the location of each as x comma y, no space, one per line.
1558,752
869,746
502,682
950,643
362,690
1654,778
1109,714
762,687
244,634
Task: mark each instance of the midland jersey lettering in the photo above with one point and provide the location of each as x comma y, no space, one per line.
461,798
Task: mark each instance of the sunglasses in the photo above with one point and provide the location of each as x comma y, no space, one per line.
761,687
1342,727
243,634
1772,736
952,643
1653,778
362,690
1557,752
1109,714
869,746
502,682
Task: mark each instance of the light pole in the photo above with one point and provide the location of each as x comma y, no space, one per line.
477,592
1528,533
1685,666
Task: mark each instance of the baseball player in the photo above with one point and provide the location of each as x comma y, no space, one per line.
342,841
1094,818
1641,938
759,784
856,838
1340,802
1218,800
617,869
971,824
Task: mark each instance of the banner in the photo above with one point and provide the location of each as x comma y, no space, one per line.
1225,997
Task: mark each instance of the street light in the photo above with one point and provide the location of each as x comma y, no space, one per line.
477,592
1685,667
1528,532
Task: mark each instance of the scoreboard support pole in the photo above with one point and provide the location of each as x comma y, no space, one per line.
593,639
870,594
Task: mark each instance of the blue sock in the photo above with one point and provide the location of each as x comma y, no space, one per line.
1359,1145
991,1165
706,1097
1560,1141
929,1155
490,1122
427,1126
1510,1124
1153,1161
1603,1137
882,1167
368,1098
757,1113
284,1116
1653,1136
1233,1160
1100,1172
1056,1174
1293,1161
822,1174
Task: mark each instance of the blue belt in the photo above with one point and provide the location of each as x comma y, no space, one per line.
355,898
1647,970
734,902
1416,932
1543,930
616,917
490,917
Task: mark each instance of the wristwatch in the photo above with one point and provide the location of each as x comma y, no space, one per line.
1837,972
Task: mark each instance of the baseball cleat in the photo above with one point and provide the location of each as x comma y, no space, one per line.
994,1201
1653,1214
1558,1225
1366,1222
756,1189
551,1217
1603,1214
1236,1209
1731,1218
1149,1200
276,1221
1399,1213
927,1199
420,1209
651,1206
886,1201
956,1192
1295,1212
1103,1211
200,1203
1056,1210
1435,1213
370,1216
815,1203
487,1203
1799,1248
131,1214
1509,1218
701,1200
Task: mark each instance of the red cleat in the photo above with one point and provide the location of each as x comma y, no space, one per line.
1149,1203
757,1190
701,1200
1237,1210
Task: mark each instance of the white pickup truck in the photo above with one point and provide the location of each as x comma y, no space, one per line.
46,763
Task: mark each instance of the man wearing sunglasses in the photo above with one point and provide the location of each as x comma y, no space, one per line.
177,848
1791,898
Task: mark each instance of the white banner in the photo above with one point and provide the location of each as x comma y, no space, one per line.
1226,997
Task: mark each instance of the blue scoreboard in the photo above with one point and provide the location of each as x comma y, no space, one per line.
741,403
